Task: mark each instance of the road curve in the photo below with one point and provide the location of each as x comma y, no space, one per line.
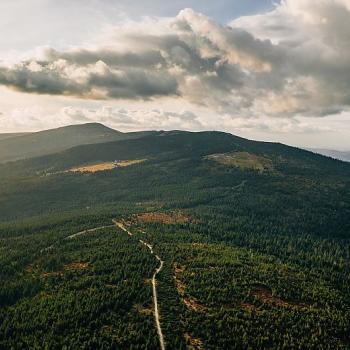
88,231
75,235
154,284
154,278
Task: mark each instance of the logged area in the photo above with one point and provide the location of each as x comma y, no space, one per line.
214,242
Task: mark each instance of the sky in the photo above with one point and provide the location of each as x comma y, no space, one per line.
267,70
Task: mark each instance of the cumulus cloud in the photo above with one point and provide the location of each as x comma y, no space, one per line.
315,38
124,119
94,81
294,60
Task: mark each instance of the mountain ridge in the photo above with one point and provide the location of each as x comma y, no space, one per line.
59,139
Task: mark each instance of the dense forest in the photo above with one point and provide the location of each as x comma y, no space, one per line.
255,239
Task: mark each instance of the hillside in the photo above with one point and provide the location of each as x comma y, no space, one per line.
285,177
56,140
246,243
11,135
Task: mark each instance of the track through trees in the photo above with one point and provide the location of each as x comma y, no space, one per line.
154,284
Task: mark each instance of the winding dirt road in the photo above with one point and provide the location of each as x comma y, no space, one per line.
154,284
88,231
154,278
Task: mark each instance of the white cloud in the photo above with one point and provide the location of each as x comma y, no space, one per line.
291,61
189,56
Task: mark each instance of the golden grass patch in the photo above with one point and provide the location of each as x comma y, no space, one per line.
94,168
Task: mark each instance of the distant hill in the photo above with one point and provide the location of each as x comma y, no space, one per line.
169,145
56,140
309,192
172,145
340,155
11,135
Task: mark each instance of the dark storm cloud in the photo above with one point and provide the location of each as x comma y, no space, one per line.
96,82
42,82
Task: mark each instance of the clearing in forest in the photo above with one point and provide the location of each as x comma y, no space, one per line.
164,218
242,160
94,168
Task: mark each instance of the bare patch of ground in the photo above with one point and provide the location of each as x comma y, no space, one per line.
178,270
50,274
191,303
148,311
194,343
30,269
194,305
148,281
164,218
75,266
264,294
242,160
248,307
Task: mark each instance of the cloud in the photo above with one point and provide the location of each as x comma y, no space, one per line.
315,38
294,60
128,119
94,81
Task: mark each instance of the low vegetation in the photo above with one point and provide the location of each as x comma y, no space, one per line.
242,160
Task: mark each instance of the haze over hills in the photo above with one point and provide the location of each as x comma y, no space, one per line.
56,140
341,155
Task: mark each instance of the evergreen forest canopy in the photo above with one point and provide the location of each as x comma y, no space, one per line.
255,239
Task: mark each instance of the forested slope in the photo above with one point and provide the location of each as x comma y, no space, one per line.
255,238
